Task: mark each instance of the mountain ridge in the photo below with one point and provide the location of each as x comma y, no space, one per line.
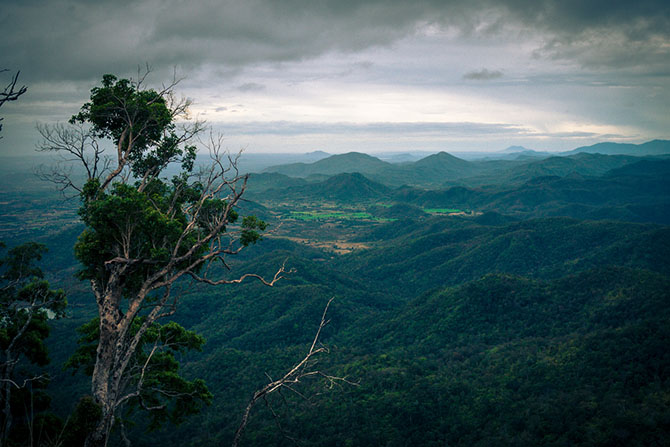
653,147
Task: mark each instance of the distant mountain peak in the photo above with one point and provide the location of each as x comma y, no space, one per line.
316,155
513,149
354,154
350,177
441,157
334,164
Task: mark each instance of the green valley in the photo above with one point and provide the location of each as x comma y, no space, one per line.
528,310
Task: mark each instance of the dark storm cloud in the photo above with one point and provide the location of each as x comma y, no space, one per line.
483,75
66,39
80,39
639,19
601,33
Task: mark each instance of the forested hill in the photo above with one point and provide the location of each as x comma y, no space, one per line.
635,192
478,333
654,147
335,164
436,253
527,306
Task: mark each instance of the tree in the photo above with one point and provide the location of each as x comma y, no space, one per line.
146,234
11,91
26,304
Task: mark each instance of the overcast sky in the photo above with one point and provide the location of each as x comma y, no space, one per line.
369,76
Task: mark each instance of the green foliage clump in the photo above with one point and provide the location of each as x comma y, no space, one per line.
125,114
27,303
155,219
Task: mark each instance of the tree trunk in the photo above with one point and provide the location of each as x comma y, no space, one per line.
6,396
7,413
107,371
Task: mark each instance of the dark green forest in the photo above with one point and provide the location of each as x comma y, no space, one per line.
474,303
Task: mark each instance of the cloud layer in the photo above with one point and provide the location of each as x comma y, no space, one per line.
79,39
542,68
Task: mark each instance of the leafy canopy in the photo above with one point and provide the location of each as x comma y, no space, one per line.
139,119
145,220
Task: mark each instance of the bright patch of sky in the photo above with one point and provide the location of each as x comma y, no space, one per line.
337,101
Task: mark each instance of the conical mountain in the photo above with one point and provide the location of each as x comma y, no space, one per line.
335,164
442,166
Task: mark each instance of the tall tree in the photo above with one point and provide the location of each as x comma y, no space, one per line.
26,303
146,233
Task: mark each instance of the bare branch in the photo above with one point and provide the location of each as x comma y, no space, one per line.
293,376
279,275
140,381
25,381
74,145
11,93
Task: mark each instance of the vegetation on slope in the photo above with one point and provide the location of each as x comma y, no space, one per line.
527,324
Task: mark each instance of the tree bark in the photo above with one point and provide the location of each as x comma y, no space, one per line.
6,395
107,371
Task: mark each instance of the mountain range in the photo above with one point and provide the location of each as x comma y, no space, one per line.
443,168
586,186
654,147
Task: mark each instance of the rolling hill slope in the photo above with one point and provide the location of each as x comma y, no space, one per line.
345,188
637,191
335,164
654,147
425,256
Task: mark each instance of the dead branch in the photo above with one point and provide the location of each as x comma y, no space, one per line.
11,92
298,372
279,275
25,381
73,144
